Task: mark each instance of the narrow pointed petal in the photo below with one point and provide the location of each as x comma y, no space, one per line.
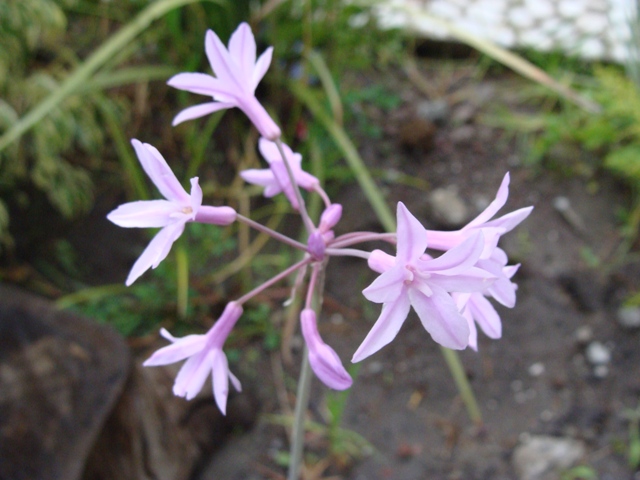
242,50
471,280
459,258
387,287
510,270
495,205
412,236
385,329
192,375
179,350
143,214
201,110
503,291
160,173
221,62
261,67
235,382
202,84
486,316
156,251
282,177
511,220
220,379
473,331
196,197
441,318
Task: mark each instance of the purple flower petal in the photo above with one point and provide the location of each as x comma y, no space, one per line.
441,318
471,280
262,65
511,220
156,251
198,111
159,172
144,214
385,329
220,379
202,84
495,205
242,48
388,286
459,258
412,236
221,62
179,350
192,375
485,315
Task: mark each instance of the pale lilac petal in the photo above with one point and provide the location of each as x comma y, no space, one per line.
263,177
261,67
380,261
412,236
203,84
471,280
325,362
441,318
485,315
156,251
201,110
388,286
144,214
504,291
269,150
221,62
510,270
260,118
473,331
164,333
160,173
196,197
235,382
385,329
495,205
511,220
242,50
459,258
192,375
306,180
220,379
179,350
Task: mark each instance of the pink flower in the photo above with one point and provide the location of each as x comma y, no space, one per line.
411,279
324,361
492,229
275,179
171,214
204,355
237,74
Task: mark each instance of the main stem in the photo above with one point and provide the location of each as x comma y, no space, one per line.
462,382
302,403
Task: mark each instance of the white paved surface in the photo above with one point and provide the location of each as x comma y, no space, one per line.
592,29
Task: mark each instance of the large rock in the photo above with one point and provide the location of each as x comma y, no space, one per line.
60,375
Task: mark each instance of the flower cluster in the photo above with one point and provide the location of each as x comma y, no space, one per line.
449,292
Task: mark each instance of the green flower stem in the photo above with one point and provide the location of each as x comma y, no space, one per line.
302,403
386,218
75,82
462,382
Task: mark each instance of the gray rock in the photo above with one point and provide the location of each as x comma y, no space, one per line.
629,317
447,206
436,111
598,354
541,457
60,375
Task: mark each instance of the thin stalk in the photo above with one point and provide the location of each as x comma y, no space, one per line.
272,233
284,274
182,280
462,382
297,432
74,82
296,189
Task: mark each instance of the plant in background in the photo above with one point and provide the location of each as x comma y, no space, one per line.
439,288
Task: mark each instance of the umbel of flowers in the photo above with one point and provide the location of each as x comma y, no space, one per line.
450,293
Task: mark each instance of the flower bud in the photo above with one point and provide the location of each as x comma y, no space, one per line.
324,361
316,246
330,217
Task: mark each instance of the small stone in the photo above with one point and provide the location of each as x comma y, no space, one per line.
448,207
417,133
629,317
536,369
374,367
540,455
584,334
436,111
463,134
598,354
600,371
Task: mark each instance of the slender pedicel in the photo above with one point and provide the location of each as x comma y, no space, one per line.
272,233
285,273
